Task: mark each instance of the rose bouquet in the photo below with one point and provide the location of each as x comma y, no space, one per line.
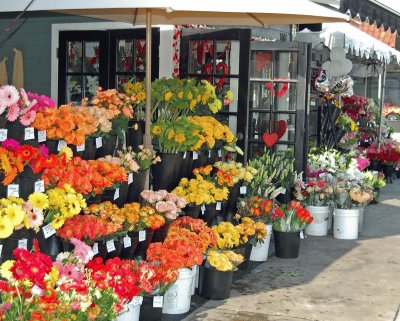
237,170
251,231
123,160
350,194
102,119
224,260
353,105
316,192
256,207
291,218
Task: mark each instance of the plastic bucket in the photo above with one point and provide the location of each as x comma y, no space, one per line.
177,298
195,277
345,224
361,219
259,253
319,226
133,313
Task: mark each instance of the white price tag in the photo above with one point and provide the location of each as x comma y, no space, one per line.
209,153
39,186
3,134
243,190
302,235
29,133
195,155
80,148
219,153
116,194
13,190
48,231
1,249
110,246
95,248
61,144
137,300
218,206
23,244
99,142
158,301
130,178
283,191
203,209
142,236
41,136
184,155
127,242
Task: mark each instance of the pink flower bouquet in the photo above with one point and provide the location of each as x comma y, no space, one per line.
167,204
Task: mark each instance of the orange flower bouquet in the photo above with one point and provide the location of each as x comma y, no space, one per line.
67,123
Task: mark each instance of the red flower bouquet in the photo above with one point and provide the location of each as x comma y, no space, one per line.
292,217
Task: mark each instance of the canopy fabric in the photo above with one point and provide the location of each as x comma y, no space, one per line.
353,40
211,12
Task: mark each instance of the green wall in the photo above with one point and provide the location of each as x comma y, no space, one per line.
32,35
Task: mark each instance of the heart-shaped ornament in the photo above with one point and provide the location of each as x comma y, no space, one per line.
270,139
281,128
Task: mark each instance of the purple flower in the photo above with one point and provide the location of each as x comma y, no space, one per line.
10,144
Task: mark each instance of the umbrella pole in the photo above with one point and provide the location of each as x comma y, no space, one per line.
147,135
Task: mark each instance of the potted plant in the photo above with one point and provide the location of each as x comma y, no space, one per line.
291,219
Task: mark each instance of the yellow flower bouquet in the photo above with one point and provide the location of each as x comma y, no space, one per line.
224,260
12,215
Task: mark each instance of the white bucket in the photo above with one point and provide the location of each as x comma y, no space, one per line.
345,224
361,219
177,298
259,253
133,312
195,278
319,226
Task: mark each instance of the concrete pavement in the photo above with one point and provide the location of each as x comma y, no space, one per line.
332,280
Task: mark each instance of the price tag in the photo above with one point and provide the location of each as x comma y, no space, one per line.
142,236
218,206
13,190
137,300
283,191
184,155
29,133
110,246
95,248
116,194
127,242
3,134
195,155
209,153
39,186
302,235
219,153
61,144
158,301
80,148
203,208
130,178
48,231
23,244
243,190
41,136
99,142
1,249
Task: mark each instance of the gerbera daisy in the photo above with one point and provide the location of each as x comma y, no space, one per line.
15,214
28,118
9,95
5,269
39,200
58,222
35,218
6,227
26,152
13,112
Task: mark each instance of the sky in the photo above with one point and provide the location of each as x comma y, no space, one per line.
394,4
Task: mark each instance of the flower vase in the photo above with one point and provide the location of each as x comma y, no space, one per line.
231,209
108,146
151,308
87,151
136,187
259,253
116,196
192,211
287,244
319,225
134,134
163,172
145,237
130,243
374,165
133,310
210,213
160,234
19,238
215,284
49,244
178,296
388,170
345,223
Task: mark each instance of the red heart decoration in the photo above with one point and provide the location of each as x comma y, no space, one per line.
270,139
281,128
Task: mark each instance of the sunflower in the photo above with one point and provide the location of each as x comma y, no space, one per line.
39,200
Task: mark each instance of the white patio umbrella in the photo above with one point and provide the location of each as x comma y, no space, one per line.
211,12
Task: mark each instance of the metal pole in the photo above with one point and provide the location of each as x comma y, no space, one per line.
382,100
147,135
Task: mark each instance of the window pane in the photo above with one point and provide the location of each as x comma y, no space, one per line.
290,121
261,64
91,86
74,89
285,96
231,84
259,124
260,96
286,65
200,59
91,61
124,55
120,81
140,55
74,56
